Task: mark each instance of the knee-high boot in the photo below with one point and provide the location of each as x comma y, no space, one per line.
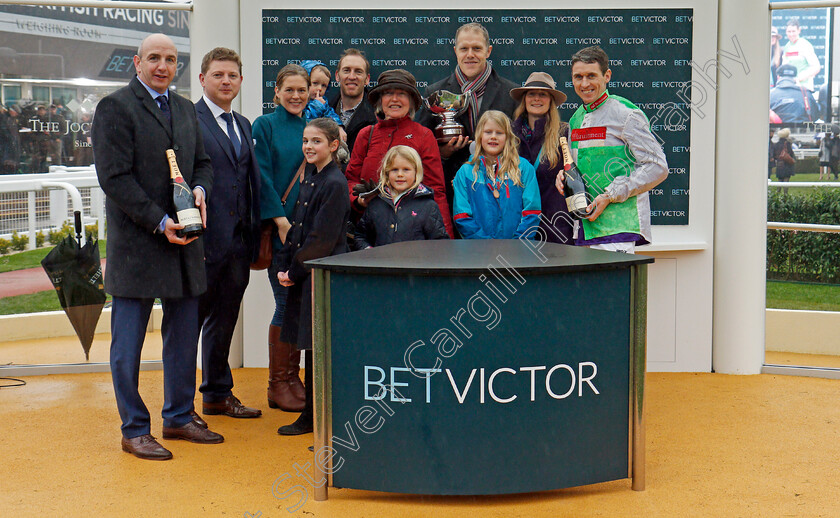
304,422
295,385
279,393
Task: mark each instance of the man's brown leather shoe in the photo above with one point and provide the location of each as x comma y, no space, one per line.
198,420
230,407
193,433
145,447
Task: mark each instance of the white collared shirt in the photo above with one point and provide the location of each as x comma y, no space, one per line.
217,114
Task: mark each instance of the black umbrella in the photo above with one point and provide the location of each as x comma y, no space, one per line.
76,273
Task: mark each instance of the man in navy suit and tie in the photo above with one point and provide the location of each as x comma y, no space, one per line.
231,240
132,130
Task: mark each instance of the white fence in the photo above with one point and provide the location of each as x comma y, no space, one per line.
30,203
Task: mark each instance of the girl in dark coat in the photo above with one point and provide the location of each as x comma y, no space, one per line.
539,128
318,230
405,209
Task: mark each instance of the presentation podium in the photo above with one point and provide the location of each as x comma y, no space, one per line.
477,367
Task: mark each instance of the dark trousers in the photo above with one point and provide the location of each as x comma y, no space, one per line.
179,330
218,310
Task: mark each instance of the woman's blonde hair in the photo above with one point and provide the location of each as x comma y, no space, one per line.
406,153
551,144
509,157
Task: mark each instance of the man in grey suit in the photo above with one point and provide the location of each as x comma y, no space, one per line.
232,239
131,132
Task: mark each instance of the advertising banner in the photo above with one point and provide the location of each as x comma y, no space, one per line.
486,384
649,49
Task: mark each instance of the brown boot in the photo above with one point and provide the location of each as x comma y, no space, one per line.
295,384
279,393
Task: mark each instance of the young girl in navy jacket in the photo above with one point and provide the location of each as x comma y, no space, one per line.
319,229
496,192
404,209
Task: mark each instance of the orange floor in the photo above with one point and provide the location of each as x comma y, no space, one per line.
717,445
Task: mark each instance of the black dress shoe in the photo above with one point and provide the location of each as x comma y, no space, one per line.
145,447
198,420
299,427
193,433
231,407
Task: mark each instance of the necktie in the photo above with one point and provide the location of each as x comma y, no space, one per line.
163,101
231,132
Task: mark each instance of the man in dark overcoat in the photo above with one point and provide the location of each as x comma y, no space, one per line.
132,129
487,91
231,241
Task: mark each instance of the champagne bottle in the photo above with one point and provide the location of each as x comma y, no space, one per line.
184,201
573,187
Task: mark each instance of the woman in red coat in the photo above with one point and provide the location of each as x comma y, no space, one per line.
396,98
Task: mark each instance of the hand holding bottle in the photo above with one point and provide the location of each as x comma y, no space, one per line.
188,203
597,206
198,192
558,181
570,181
171,231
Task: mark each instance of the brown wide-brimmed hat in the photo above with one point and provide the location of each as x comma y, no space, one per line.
539,81
397,78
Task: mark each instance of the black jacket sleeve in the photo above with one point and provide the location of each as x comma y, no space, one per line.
433,227
327,228
364,234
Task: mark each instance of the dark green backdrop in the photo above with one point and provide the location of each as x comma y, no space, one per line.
650,50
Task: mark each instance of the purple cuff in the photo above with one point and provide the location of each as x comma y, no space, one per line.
623,237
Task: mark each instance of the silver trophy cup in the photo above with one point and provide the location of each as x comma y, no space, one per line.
447,106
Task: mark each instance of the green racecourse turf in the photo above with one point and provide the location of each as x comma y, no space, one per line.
32,258
805,177
800,295
34,302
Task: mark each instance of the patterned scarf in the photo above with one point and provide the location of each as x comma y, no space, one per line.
473,90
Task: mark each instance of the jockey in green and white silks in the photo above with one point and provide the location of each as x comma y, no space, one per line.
620,158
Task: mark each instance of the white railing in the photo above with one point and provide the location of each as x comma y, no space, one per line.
805,227
33,202
805,152
803,184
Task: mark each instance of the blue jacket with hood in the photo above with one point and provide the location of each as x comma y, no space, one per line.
315,108
480,215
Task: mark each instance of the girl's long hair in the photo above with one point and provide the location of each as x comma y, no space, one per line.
551,145
509,157
406,153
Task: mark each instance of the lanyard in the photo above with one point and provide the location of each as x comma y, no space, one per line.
536,164
496,184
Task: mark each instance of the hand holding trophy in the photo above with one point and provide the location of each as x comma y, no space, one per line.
447,105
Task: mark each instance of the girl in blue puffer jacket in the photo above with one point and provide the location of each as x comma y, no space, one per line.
496,192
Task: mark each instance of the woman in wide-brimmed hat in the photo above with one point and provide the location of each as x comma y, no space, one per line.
395,99
537,123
